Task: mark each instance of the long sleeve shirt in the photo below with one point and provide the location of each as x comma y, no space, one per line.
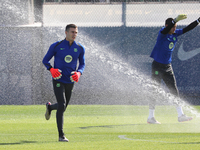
66,58
165,44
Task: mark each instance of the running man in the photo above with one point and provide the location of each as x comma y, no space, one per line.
65,72
161,66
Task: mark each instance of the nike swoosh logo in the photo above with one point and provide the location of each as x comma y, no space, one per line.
183,55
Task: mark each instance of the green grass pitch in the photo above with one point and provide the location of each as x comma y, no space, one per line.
97,127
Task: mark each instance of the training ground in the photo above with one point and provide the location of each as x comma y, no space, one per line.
97,127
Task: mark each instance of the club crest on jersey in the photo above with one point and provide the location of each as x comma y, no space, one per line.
68,58
75,50
171,45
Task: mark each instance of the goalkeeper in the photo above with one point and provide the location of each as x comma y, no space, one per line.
161,66
65,72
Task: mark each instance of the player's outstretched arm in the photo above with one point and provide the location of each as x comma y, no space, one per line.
174,21
191,25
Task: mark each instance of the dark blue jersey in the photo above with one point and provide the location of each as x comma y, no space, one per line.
66,58
164,47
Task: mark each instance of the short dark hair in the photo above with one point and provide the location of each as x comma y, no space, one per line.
70,26
168,21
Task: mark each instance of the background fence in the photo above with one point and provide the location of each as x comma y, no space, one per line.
115,1
118,39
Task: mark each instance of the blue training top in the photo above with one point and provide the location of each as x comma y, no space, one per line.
66,58
164,47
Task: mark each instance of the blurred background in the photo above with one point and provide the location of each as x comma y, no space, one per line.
118,37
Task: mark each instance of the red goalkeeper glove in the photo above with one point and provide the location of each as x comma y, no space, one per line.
56,73
75,77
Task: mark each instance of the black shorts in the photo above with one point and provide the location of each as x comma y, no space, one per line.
165,72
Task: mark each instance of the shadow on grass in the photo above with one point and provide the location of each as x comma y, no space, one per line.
187,143
123,137
109,126
16,143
